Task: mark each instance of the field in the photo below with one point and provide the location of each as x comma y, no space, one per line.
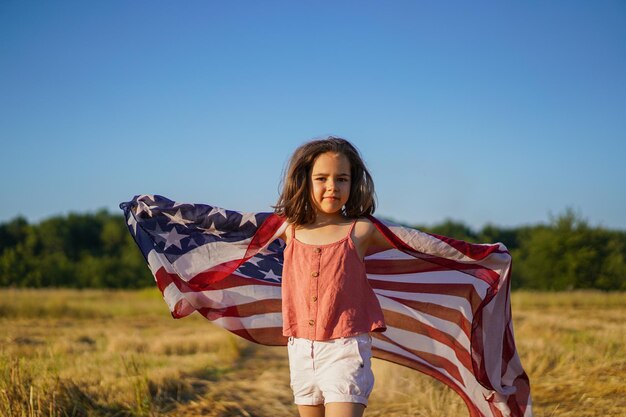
119,353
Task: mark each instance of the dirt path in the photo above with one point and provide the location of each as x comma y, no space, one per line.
258,386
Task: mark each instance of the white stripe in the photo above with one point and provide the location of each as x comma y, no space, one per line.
513,370
155,262
172,295
198,259
398,350
229,297
207,256
435,277
494,261
445,326
426,243
258,321
390,254
423,343
450,301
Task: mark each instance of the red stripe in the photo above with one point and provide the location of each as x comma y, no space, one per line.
478,332
202,282
264,233
234,280
243,310
177,313
519,402
477,352
163,278
508,344
424,264
270,336
471,250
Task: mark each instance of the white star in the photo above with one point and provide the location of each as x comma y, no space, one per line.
219,210
172,238
270,275
247,217
178,218
191,243
158,233
217,233
254,261
142,206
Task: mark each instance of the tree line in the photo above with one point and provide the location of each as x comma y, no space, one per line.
95,250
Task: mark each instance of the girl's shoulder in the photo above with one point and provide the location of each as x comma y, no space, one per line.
364,224
365,231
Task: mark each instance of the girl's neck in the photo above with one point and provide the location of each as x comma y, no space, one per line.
324,219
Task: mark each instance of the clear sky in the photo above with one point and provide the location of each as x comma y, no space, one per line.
500,112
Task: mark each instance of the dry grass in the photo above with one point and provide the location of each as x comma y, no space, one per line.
112,353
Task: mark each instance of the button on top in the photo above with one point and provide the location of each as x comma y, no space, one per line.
317,250
311,322
314,274
314,298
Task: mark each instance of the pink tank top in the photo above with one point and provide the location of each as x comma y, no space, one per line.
325,292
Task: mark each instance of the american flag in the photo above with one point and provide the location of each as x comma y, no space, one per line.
446,302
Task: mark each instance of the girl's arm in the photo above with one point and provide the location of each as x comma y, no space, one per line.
378,241
370,239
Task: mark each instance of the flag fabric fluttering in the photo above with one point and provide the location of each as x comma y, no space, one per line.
446,302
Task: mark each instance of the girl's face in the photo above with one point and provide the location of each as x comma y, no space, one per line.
330,183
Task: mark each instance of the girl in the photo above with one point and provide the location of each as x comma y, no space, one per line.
328,306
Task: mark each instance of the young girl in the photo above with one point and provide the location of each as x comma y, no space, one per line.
328,306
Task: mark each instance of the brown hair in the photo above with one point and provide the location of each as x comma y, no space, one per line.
295,199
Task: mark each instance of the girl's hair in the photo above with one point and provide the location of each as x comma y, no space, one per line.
295,199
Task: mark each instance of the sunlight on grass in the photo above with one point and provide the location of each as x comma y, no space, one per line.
119,353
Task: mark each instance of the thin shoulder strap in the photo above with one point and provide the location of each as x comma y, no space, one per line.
352,227
293,230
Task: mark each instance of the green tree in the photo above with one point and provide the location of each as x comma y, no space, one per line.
569,254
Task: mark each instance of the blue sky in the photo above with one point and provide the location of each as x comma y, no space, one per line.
483,112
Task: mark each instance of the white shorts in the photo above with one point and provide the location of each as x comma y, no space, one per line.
337,370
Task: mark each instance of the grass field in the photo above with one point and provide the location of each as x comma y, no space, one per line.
119,353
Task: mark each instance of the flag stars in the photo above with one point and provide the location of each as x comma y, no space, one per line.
218,210
271,276
248,217
142,206
216,233
172,238
255,261
191,243
178,218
